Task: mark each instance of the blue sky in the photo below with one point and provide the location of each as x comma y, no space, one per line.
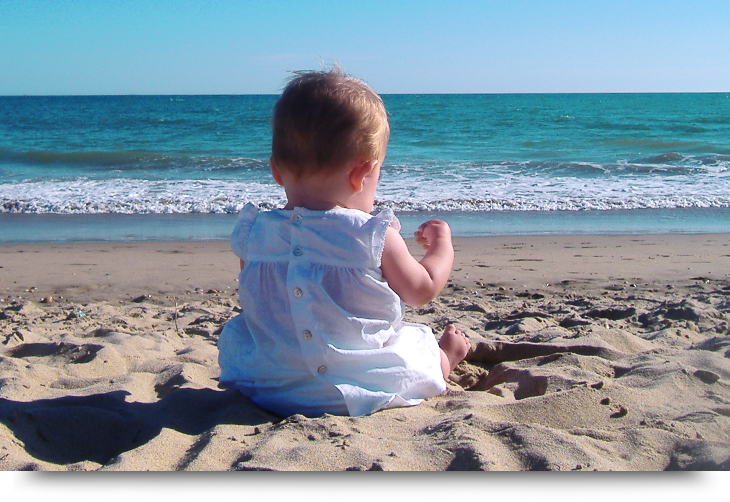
247,47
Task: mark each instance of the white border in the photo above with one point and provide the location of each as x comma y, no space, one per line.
6,486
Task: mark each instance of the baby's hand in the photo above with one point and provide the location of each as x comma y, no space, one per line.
428,232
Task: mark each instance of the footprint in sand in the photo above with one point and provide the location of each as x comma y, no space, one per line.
60,353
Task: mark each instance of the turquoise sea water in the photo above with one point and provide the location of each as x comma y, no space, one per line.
180,167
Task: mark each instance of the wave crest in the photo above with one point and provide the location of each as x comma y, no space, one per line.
456,194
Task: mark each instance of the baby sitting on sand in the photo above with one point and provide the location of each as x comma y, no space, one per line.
322,281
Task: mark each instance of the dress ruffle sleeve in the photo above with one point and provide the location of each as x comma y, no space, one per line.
240,232
381,221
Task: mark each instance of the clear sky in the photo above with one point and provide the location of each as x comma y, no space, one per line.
247,47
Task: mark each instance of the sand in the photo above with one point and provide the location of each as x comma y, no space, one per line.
588,353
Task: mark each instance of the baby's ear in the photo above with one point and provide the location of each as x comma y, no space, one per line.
360,172
275,172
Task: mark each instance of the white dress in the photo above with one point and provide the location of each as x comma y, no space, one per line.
320,329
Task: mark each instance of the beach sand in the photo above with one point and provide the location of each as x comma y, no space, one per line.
588,353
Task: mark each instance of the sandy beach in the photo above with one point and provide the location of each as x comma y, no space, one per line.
588,353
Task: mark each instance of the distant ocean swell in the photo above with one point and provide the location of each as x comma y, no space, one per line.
109,163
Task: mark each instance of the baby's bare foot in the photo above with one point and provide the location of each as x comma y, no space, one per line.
454,347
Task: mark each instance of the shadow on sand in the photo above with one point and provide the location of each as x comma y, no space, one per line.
99,427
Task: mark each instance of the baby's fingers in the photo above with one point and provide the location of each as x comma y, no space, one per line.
423,242
420,238
434,229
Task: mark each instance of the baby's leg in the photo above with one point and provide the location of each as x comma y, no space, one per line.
454,347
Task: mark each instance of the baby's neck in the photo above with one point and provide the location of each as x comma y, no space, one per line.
312,205
325,192
316,194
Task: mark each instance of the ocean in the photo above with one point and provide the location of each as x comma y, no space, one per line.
134,168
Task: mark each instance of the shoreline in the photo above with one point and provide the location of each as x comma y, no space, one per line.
27,228
589,352
119,270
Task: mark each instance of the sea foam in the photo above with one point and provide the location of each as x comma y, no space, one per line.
402,191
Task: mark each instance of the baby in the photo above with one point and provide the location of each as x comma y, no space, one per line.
322,281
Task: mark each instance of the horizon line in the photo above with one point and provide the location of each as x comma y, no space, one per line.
380,93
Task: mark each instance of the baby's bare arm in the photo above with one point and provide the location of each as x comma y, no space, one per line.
417,283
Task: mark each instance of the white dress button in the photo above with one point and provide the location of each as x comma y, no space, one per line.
322,370
298,292
298,251
306,334
296,219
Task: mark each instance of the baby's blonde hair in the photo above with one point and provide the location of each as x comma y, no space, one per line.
324,120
